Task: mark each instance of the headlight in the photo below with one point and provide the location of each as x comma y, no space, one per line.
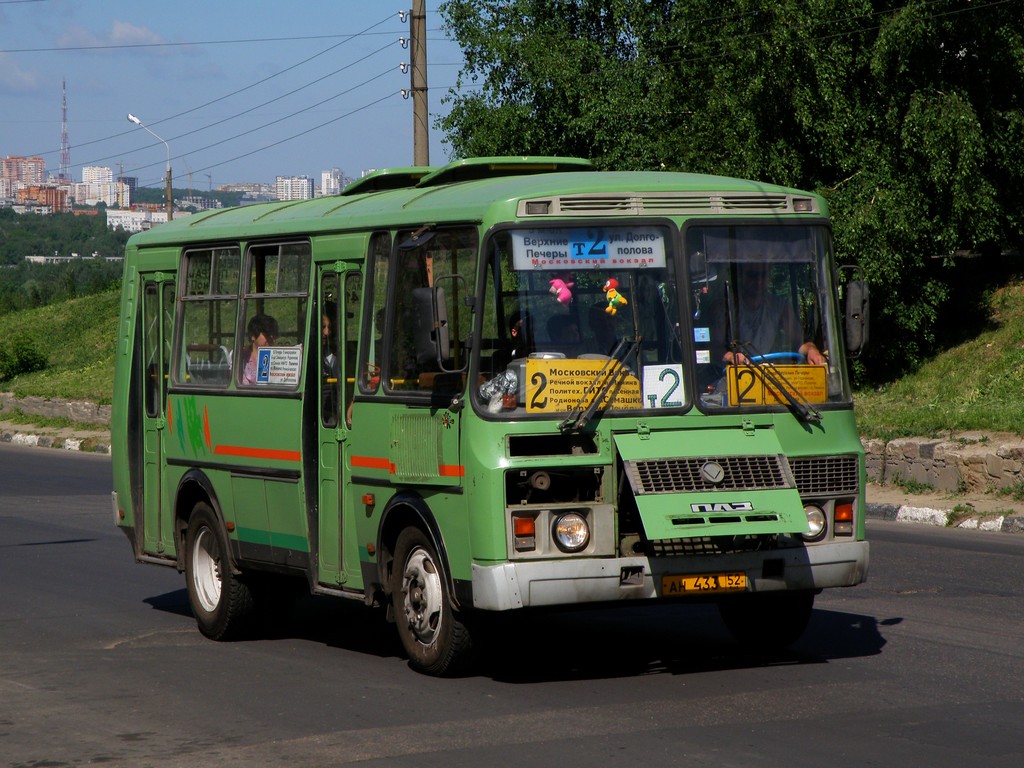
818,523
571,532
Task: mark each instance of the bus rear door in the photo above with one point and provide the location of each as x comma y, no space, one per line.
157,322
340,293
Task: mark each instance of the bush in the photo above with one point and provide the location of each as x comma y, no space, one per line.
19,355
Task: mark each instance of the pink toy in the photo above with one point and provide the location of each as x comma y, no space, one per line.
614,297
562,289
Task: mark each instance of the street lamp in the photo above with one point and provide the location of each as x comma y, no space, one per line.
170,204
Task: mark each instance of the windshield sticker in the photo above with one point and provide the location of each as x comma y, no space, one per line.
279,365
663,386
702,335
748,385
560,385
703,357
578,249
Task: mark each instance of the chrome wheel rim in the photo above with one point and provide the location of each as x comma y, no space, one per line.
423,596
206,570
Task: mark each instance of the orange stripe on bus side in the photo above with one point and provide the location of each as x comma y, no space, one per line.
451,470
257,453
373,462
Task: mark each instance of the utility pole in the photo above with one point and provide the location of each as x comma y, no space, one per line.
418,75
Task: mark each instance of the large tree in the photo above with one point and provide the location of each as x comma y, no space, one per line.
907,116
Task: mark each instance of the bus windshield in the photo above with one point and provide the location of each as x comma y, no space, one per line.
764,321
589,319
578,318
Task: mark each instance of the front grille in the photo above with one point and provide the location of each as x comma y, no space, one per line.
826,475
711,545
683,475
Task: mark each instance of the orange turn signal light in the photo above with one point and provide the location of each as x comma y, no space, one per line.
524,526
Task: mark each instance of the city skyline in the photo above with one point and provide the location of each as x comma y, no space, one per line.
239,97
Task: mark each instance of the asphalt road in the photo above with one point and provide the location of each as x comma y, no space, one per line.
101,663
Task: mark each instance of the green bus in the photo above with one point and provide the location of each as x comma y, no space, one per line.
499,384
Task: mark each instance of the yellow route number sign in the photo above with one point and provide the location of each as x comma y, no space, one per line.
748,385
559,385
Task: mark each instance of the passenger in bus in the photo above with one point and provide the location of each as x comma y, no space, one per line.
766,321
329,364
262,331
520,326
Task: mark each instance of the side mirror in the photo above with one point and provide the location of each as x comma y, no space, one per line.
855,312
430,326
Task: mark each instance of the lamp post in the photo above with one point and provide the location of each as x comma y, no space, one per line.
170,203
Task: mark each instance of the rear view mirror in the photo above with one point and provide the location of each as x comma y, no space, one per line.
430,326
855,312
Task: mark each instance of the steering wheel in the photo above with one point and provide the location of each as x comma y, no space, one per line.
796,357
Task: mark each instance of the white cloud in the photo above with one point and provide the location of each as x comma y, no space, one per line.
14,79
122,33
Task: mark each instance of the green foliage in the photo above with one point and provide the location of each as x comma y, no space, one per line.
975,385
19,355
158,195
25,285
906,116
24,235
77,339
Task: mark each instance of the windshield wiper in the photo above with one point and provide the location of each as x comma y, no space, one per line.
799,404
579,418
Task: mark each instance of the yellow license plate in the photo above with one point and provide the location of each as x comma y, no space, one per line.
703,584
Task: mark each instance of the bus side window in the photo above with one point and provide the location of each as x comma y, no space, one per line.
276,289
378,269
209,312
445,264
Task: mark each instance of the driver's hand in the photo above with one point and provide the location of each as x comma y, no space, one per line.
735,358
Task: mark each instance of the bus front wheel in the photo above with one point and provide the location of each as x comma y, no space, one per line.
768,621
219,600
432,633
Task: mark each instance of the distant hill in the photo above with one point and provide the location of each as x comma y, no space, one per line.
77,338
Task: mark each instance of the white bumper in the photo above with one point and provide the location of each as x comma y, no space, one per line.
563,582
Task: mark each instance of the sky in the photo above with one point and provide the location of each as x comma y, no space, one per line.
240,90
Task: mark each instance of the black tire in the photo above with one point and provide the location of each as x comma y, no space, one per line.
432,633
769,621
220,601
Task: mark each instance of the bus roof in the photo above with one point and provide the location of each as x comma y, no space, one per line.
483,189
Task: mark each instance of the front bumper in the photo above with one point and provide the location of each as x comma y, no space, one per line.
567,581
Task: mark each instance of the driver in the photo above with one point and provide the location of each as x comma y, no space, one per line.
766,322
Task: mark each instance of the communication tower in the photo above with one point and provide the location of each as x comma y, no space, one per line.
65,149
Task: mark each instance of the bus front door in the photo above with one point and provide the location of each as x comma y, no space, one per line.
339,301
157,322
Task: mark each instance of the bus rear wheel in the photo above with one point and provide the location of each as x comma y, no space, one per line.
219,600
432,633
768,621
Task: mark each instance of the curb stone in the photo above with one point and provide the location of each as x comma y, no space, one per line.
904,513
47,441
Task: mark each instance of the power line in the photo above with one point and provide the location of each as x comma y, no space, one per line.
227,95
128,46
259,106
275,122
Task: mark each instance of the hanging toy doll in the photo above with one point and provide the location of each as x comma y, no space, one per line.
561,288
611,293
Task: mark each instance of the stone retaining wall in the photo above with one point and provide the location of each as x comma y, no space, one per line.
966,463
80,412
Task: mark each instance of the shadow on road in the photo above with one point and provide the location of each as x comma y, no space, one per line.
575,644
